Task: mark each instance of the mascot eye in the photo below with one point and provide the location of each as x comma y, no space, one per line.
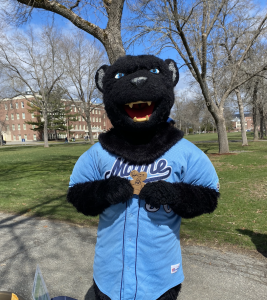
119,75
155,71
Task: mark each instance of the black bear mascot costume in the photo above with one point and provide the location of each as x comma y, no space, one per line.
141,179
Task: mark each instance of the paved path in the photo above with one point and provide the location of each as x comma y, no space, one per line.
65,255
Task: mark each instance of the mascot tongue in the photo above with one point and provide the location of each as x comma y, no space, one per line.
139,111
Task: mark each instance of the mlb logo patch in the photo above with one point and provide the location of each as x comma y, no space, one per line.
175,268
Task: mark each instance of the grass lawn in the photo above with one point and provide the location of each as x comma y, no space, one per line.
34,181
214,137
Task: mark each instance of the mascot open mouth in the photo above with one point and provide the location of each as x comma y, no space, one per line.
139,111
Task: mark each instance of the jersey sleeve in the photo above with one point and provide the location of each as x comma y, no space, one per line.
85,169
200,171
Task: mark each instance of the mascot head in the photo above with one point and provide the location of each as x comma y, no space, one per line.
138,91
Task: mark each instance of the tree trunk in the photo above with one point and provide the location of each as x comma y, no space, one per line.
254,111
68,133
113,44
92,141
222,135
180,124
261,122
45,126
242,118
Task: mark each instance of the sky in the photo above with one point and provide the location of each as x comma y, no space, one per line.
40,18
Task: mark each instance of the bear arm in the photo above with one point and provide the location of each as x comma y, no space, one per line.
186,200
93,197
194,200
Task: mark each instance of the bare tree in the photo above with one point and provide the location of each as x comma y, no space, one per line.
186,112
32,61
80,13
196,30
258,90
81,60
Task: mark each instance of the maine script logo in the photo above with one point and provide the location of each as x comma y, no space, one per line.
156,171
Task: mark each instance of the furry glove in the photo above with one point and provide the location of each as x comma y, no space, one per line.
93,197
186,200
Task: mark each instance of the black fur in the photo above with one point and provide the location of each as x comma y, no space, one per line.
186,200
93,197
169,295
158,88
141,149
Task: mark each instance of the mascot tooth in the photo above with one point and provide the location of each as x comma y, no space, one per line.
141,179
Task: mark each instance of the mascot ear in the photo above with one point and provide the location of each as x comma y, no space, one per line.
100,73
173,68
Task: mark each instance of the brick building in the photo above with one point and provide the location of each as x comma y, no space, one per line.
248,123
15,112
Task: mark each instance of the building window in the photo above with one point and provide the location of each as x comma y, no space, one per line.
80,127
7,117
24,126
104,123
17,116
25,137
14,137
23,116
11,105
13,127
22,104
100,127
12,116
32,115
5,107
96,119
75,109
19,137
18,126
83,127
76,127
77,136
104,116
7,128
93,119
33,126
34,137
17,105
99,112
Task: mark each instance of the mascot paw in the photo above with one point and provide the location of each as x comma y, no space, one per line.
117,190
159,193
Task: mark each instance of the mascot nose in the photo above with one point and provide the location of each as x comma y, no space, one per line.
139,81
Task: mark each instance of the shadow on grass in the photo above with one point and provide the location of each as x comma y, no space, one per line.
259,240
29,169
58,209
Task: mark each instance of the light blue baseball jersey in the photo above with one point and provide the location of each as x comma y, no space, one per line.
137,254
